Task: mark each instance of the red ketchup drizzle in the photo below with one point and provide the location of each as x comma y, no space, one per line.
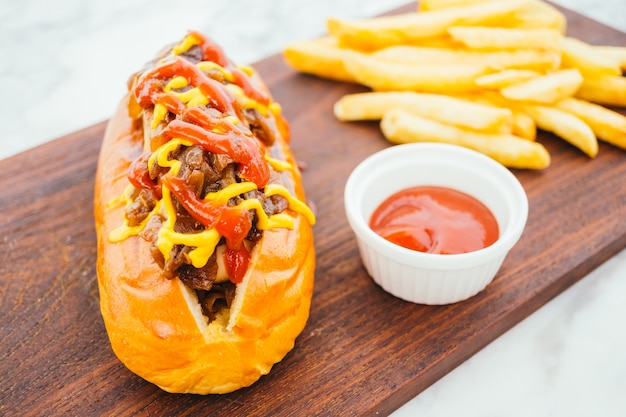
242,149
202,210
233,223
435,220
139,177
149,88
236,263
212,52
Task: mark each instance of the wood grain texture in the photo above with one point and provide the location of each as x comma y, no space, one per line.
363,351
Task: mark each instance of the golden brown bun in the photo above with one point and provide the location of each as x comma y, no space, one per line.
155,324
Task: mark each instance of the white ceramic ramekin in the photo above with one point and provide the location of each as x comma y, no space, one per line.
423,277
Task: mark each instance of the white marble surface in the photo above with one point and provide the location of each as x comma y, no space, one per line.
64,66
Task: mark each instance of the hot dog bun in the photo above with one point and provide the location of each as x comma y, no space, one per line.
156,325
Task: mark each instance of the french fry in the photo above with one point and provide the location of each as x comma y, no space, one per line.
384,76
399,126
616,53
534,14
532,59
489,38
539,14
408,28
443,41
322,57
470,71
506,78
608,125
523,126
566,126
429,5
604,89
445,109
581,55
547,88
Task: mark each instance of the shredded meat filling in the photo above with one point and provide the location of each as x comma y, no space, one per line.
143,203
199,278
205,172
220,296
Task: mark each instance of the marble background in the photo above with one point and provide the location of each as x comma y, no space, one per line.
64,66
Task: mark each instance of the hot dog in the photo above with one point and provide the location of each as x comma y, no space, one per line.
205,246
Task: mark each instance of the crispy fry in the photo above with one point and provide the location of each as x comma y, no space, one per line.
445,109
604,89
534,14
563,124
489,38
401,127
375,33
430,5
538,14
608,125
506,78
524,126
546,88
408,28
617,53
510,58
442,41
322,57
531,59
384,76
581,55
566,126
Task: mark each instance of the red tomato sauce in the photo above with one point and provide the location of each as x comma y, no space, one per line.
435,219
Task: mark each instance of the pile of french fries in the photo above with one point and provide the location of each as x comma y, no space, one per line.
484,74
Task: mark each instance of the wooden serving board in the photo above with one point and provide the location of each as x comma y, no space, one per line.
363,351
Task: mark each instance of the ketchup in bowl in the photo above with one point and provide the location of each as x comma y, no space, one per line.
436,220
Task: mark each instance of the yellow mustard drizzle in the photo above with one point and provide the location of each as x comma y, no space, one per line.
205,242
232,119
221,197
294,203
176,82
278,165
122,199
263,220
160,111
125,231
194,97
209,65
184,45
247,69
191,97
275,108
162,154
247,102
